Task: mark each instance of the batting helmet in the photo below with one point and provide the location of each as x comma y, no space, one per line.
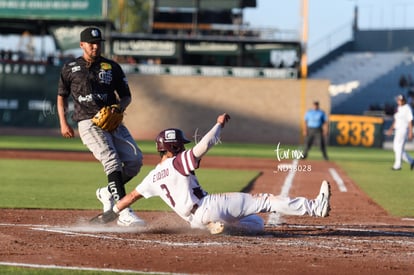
172,140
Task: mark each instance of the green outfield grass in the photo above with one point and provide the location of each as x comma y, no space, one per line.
147,147
72,185
44,184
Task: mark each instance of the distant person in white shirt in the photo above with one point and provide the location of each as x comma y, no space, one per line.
403,130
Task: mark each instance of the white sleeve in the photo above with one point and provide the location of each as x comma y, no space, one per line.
209,140
145,188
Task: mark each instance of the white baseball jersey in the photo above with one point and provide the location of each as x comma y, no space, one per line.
403,117
175,182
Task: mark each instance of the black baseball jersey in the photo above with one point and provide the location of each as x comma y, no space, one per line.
92,87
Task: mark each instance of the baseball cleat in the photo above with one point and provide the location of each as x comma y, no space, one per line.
322,200
105,197
127,217
215,227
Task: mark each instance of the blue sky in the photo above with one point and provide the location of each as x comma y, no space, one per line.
329,21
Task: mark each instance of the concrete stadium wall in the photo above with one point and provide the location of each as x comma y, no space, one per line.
261,110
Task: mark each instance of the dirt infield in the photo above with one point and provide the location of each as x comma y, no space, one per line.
357,238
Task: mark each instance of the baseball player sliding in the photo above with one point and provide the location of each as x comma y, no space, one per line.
174,180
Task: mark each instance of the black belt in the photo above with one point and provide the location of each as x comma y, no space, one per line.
194,209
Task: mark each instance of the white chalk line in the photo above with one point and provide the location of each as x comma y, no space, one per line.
68,231
338,180
79,268
287,184
82,231
276,218
71,232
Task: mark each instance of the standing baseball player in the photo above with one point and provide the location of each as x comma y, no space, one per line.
403,129
101,94
174,180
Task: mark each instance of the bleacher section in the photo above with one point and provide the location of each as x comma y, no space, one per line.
362,79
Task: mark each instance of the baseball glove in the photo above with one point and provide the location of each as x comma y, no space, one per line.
109,117
104,217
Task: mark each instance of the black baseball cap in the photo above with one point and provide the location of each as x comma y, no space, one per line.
91,35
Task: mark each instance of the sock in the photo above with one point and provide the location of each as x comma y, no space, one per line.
125,178
116,185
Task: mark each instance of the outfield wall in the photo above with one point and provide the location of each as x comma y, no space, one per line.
262,110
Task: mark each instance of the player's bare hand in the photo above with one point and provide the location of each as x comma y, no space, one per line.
222,119
67,131
116,108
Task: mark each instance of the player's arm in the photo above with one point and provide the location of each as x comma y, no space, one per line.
62,106
211,138
127,200
111,215
122,87
124,102
391,129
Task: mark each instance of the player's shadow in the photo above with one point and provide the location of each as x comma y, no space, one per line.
251,183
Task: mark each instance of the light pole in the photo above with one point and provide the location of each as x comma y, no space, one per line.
304,65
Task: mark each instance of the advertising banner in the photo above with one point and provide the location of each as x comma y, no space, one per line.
52,9
350,130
